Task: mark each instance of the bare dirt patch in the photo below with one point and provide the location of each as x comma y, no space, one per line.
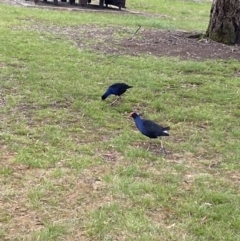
179,44
159,43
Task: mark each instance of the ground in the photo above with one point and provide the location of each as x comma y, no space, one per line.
189,192
157,42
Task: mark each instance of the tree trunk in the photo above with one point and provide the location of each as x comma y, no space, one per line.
224,24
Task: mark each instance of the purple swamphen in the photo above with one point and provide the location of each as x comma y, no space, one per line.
116,89
150,128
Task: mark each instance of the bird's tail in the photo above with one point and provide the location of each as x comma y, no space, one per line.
165,131
130,87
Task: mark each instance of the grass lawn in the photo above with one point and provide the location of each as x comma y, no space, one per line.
75,168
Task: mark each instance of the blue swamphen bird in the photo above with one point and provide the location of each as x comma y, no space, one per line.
116,89
150,128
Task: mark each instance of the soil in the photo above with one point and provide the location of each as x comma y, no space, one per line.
184,45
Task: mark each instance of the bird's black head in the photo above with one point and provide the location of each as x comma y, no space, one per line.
103,97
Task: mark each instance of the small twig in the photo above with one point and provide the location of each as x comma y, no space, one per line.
138,29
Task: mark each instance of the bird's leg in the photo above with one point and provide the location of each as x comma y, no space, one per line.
119,99
148,147
149,144
114,101
162,147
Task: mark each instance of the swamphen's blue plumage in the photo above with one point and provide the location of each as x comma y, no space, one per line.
116,89
150,128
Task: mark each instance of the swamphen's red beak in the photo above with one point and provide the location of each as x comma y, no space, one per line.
130,115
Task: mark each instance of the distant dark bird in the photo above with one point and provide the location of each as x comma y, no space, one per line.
150,128
116,89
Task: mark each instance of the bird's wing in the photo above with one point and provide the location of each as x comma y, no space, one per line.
120,86
152,127
117,85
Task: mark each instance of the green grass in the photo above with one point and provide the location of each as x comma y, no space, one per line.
182,14
185,15
75,168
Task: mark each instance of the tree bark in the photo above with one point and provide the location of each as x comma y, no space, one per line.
224,24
